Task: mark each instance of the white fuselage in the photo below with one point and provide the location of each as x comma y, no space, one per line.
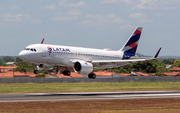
62,55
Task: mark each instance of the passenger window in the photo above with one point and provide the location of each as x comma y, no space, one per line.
31,49
35,50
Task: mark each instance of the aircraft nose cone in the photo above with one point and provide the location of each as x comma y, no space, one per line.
22,55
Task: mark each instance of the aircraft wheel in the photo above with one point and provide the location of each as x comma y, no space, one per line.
89,76
35,71
66,72
92,76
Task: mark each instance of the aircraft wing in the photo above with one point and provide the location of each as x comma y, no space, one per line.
148,58
110,63
113,63
117,63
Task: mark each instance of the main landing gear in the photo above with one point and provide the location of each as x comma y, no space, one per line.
66,72
92,76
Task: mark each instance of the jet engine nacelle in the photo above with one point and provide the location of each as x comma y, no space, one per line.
45,66
83,67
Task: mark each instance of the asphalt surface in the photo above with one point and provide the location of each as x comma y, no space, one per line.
37,97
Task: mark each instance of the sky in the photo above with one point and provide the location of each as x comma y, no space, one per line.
90,23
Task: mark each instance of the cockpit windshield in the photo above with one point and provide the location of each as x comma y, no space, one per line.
30,49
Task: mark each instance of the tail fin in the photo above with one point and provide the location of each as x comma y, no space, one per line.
131,45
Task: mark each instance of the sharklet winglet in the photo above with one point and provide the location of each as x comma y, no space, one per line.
157,53
42,41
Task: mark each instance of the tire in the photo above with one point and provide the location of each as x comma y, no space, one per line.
66,72
35,71
89,76
92,76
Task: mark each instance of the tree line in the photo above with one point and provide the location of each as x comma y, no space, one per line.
6,59
151,66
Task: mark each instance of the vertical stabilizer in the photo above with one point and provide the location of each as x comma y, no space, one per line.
131,45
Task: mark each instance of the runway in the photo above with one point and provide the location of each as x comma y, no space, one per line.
37,97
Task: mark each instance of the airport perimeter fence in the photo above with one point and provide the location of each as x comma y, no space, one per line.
78,80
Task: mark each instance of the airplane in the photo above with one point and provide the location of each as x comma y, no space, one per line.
83,60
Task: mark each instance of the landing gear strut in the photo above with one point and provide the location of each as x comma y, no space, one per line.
92,76
36,70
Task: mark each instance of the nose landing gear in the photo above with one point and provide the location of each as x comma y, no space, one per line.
35,71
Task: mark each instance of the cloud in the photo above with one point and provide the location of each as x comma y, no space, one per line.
111,15
74,12
97,17
35,21
14,7
19,18
117,20
155,4
70,15
65,18
145,21
105,19
137,15
146,4
127,27
88,23
98,20
51,7
115,1
161,14
13,18
79,4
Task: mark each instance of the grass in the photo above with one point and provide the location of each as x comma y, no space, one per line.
87,87
100,106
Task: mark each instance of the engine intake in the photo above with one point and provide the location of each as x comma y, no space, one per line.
83,67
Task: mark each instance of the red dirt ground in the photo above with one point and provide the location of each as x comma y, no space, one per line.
107,106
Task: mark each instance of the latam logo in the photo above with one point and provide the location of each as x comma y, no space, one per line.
58,49
49,48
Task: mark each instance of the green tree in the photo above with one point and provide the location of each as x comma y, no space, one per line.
145,66
18,61
168,61
123,69
25,67
176,63
1,62
8,59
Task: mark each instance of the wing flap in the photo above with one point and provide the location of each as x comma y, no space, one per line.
117,61
113,63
